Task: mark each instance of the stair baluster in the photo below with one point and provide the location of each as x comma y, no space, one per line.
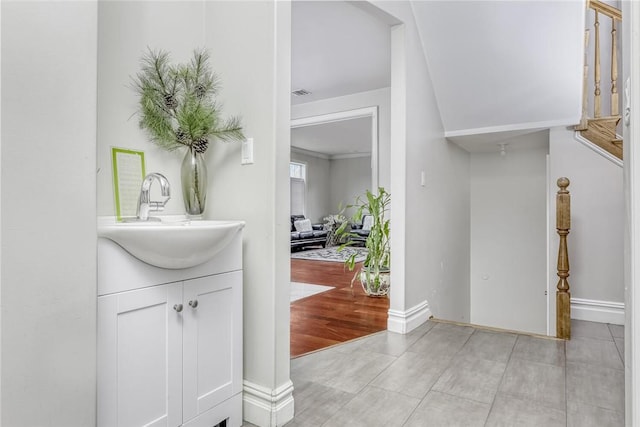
614,69
596,71
602,130
584,119
563,293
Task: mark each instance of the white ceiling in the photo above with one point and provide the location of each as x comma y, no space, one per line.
496,66
345,137
514,140
337,49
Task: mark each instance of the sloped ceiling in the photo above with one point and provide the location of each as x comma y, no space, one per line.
503,65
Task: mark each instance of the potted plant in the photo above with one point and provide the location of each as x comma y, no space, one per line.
332,223
374,274
178,109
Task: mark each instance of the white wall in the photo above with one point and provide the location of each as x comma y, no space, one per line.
333,182
596,240
48,213
379,98
350,177
509,238
125,31
631,71
318,185
0,220
430,224
255,73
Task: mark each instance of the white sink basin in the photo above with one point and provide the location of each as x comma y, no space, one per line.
172,243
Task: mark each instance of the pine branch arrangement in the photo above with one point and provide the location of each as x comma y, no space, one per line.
177,103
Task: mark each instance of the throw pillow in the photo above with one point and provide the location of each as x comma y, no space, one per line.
367,222
303,225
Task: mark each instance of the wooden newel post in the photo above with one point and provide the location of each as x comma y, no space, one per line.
563,294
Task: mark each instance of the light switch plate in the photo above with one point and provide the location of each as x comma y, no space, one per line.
247,152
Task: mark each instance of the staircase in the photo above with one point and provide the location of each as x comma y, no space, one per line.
601,130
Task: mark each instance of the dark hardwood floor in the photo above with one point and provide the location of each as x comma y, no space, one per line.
334,316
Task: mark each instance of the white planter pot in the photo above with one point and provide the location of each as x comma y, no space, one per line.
375,285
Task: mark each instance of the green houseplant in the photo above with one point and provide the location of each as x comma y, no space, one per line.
374,274
177,108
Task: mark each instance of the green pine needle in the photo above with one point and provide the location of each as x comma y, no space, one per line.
177,105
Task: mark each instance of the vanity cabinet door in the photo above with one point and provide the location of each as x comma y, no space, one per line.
140,357
212,342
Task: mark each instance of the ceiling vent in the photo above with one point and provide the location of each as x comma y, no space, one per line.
301,92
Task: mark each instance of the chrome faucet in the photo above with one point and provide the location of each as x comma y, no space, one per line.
144,204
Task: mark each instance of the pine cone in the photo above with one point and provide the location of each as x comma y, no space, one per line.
200,145
200,90
182,137
170,101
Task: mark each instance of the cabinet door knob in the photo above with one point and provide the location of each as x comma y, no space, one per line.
193,303
177,307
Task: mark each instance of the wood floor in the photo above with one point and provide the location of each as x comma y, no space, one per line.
334,316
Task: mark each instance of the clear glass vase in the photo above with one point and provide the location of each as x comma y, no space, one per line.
193,174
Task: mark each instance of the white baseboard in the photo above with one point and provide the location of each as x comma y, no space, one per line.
597,311
404,322
267,407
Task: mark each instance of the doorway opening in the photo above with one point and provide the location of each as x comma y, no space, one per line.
341,89
339,154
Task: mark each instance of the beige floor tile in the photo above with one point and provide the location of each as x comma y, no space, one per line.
581,415
489,345
541,350
471,378
584,329
464,376
595,385
374,407
412,374
440,409
616,330
509,411
537,382
593,352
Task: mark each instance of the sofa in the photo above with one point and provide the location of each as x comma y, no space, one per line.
360,232
304,234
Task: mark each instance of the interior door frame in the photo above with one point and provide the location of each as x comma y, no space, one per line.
357,113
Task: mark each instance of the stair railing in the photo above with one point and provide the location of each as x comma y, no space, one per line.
563,293
600,8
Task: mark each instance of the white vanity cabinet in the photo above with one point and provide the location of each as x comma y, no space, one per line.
169,354
140,358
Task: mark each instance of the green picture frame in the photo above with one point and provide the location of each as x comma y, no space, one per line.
128,168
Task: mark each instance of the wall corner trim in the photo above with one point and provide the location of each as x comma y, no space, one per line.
597,311
403,322
263,406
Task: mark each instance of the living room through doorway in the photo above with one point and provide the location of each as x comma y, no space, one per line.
332,162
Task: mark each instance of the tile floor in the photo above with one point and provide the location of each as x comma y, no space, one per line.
443,374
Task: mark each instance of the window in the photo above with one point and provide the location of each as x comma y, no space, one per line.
297,170
297,175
